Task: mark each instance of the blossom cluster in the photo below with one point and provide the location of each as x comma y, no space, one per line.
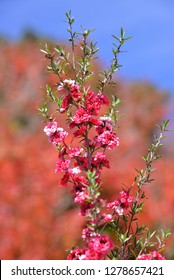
81,165
96,248
121,204
88,156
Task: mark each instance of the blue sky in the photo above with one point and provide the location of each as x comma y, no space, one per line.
150,54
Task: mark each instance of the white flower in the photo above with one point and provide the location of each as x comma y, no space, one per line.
105,118
66,84
119,210
75,170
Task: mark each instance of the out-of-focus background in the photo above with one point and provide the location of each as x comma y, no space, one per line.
38,219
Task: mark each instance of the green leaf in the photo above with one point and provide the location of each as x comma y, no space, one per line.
48,88
58,48
122,32
115,101
128,38
68,14
44,51
115,37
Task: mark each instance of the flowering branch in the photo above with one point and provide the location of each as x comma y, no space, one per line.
81,164
128,236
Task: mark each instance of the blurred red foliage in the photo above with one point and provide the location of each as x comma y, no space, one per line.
38,219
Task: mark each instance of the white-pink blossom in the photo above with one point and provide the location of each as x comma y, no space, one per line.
50,129
66,84
75,170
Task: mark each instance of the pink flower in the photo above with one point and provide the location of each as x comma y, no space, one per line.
103,99
82,161
116,207
85,208
50,129
81,116
79,190
55,134
62,165
105,218
75,152
96,248
76,92
113,204
94,102
121,203
101,244
105,124
107,139
145,257
99,160
91,255
152,256
94,121
125,199
157,256
88,233
76,254
80,131
81,197
65,179
65,103
80,180
58,136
